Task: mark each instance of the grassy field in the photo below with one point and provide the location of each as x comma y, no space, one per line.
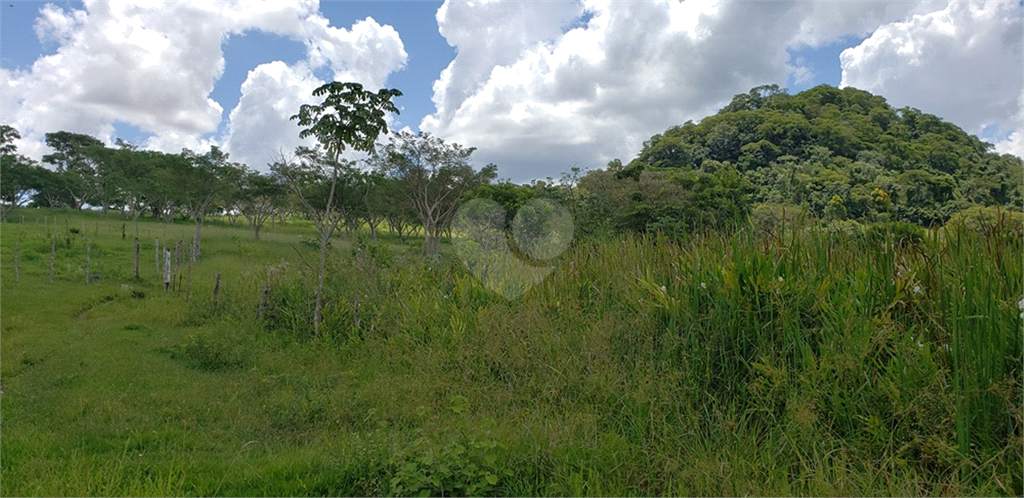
719,365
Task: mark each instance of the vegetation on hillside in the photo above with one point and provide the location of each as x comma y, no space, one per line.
841,154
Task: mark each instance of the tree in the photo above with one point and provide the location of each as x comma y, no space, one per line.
19,175
258,196
200,185
348,117
374,186
434,177
71,155
8,134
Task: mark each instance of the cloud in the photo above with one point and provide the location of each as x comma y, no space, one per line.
963,63
595,92
827,22
153,65
581,91
260,127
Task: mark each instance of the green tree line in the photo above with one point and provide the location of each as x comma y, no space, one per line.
841,155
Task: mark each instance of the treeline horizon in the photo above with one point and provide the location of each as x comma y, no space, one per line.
843,156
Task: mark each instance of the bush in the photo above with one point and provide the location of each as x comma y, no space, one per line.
899,233
211,356
987,221
467,466
771,220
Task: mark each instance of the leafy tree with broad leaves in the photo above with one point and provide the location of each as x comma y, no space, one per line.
348,117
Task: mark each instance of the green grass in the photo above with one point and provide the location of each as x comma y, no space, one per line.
718,365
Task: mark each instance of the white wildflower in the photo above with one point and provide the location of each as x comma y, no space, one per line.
781,279
705,286
663,289
917,289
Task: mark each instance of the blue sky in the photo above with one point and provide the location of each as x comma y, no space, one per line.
536,87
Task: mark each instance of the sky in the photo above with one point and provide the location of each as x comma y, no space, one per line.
537,87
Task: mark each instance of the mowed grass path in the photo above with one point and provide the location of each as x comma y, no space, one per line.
725,365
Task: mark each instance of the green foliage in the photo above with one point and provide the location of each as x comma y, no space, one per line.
899,233
208,355
463,466
808,148
348,117
754,362
432,177
988,221
379,253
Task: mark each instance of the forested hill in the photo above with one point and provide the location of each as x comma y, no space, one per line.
841,153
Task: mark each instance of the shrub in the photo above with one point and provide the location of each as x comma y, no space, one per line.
212,356
899,233
771,220
987,221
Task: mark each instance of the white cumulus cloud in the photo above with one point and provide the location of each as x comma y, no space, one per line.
963,63
153,65
590,81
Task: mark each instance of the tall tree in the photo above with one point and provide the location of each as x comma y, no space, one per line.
434,176
19,175
71,156
348,117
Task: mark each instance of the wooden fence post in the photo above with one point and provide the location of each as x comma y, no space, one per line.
136,258
216,291
188,284
53,252
263,301
88,256
17,248
177,266
167,270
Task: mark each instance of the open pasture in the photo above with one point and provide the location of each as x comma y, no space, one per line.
713,365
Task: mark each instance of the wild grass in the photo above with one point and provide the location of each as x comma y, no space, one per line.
710,364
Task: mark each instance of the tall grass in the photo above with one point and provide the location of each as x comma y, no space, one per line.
706,364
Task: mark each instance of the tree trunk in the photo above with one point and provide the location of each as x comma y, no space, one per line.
318,311
197,246
256,231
